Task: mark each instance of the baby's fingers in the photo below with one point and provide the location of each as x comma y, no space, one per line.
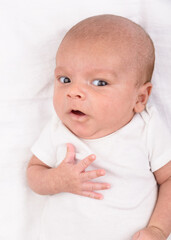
92,195
83,164
92,186
70,155
89,175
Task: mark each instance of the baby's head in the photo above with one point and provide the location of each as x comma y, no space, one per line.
103,70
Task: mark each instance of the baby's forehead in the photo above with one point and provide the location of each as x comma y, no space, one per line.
110,31
113,45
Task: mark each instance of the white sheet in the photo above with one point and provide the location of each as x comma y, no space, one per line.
30,33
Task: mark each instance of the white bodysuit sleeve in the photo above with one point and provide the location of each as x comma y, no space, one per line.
158,140
44,148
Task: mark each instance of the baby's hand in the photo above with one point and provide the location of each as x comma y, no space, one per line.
149,233
75,180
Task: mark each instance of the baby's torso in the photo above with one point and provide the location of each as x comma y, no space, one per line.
126,207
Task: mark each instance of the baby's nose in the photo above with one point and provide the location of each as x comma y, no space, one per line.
76,93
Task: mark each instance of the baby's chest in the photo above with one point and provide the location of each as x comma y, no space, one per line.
131,155
128,171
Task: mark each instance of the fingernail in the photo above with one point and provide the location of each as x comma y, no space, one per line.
93,157
108,186
102,172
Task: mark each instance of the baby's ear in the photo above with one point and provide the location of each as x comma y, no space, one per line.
144,92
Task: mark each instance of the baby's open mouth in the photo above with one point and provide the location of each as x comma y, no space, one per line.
77,112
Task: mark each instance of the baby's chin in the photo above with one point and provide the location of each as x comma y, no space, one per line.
88,134
81,131
88,128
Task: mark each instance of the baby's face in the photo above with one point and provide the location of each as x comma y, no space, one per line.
94,92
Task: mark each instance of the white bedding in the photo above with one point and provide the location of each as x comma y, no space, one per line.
30,33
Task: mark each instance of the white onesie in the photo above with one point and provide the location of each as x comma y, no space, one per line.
129,156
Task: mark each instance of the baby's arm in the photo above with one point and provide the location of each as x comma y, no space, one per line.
159,226
67,177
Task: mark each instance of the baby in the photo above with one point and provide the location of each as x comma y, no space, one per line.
103,128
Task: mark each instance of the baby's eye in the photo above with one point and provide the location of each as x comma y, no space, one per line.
99,83
64,80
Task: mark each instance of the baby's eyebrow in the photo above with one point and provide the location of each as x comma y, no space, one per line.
99,73
61,70
58,69
105,72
